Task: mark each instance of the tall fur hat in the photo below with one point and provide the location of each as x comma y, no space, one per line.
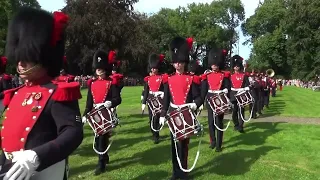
37,36
193,66
179,49
237,60
217,57
101,61
155,61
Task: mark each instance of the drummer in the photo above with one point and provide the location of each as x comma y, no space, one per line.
238,80
194,68
213,81
154,87
181,88
102,91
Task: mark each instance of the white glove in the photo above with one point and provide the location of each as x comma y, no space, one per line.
84,120
161,95
225,90
247,88
193,106
143,106
141,98
26,163
107,104
201,107
162,120
98,105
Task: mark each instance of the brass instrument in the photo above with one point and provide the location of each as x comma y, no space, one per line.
270,73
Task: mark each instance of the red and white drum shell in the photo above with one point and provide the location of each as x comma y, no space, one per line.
219,103
183,123
244,98
155,104
101,120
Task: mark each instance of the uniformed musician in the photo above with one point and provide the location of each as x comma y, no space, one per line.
181,88
215,80
255,92
239,80
42,124
194,69
64,77
103,91
154,87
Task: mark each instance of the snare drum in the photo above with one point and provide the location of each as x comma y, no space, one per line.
244,98
155,104
183,123
102,120
219,103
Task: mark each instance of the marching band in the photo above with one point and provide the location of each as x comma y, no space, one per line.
37,143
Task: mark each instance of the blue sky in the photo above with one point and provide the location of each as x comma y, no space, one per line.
153,6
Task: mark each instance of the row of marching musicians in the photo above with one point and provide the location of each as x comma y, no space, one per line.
174,99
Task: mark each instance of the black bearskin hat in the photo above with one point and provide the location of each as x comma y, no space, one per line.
155,61
101,61
193,66
237,60
217,57
179,49
37,36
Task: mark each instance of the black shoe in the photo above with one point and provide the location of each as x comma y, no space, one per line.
241,131
173,178
218,149
100,170
212,145
236,128
156,140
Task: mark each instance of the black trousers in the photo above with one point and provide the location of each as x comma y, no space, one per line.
101,145
182,148
255,106
266,98
273,92
237,121
155,124
216,135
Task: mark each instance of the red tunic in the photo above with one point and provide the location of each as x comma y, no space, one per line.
237,80
25,105
154,82
179,85
215,80
100,89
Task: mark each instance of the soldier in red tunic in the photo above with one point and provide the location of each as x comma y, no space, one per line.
42,124
181,88
104,91
64,77
239,81
154,87
214,81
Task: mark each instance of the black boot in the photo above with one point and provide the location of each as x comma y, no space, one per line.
101,168
212,145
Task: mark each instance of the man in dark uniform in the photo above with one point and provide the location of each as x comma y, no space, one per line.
154,87
239,81
181,88
255,92
64,77
193,69
266,90
273,86
42,125
214,81
104,91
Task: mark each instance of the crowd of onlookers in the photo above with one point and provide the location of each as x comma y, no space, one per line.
128,81
315,86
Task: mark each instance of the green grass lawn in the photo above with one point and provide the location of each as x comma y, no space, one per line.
295,102
265,151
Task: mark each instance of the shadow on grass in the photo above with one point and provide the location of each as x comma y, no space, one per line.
153,175
252,137
233,163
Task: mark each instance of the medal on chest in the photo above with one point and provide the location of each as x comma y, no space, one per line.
32,99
